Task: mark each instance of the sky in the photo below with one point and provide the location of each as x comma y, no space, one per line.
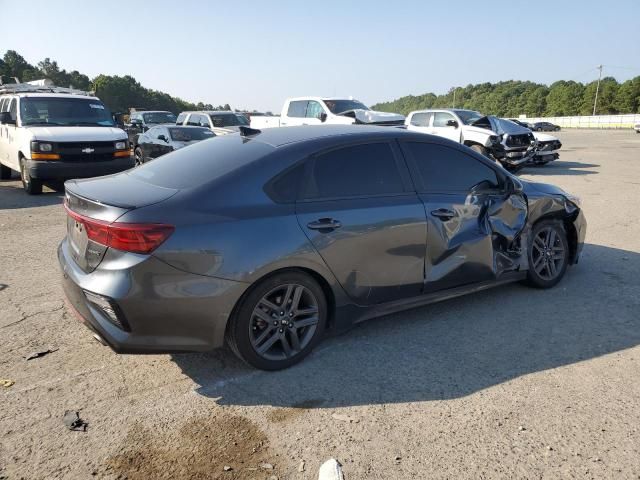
254,54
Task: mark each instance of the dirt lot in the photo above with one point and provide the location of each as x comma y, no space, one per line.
511,382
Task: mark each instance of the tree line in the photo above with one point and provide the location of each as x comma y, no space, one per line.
117,93
514,97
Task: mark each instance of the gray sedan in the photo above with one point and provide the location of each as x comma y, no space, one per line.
268,240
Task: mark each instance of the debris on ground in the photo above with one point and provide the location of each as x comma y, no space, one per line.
266,466
73,421
227,468
331,470
40,353
301,466
5,382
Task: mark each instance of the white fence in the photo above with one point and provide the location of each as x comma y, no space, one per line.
593,121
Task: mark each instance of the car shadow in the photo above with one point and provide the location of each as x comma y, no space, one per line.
560,167
12,196
450,349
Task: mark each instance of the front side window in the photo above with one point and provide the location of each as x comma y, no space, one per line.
358,170
194,119
64,111
445,169
421,119
440,119
180,119
13,110
297,108
314,109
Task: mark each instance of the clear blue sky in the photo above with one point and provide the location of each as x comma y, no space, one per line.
254,54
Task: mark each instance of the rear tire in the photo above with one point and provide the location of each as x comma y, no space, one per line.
31,185
480,149
548,253
279,321
5,173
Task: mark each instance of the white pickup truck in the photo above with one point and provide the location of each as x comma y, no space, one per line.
319,110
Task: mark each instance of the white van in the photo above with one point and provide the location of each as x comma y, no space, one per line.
49,133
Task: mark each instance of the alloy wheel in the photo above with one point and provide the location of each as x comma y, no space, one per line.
283,322
548,253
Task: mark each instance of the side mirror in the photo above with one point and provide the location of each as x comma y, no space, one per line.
322,117
512,185
5,118
163,138
452,123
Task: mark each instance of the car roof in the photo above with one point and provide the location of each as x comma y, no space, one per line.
277,137
53,95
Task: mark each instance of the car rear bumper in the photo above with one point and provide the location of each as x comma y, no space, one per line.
160,309
65,170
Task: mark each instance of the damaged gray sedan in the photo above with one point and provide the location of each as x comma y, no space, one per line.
269,240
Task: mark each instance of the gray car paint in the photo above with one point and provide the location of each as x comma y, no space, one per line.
230,233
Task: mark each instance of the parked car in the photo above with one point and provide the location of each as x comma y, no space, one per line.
328,111
51,134
142,120
271,238
510,144
521,123
545,127
163,139
636,127
547,148
220,122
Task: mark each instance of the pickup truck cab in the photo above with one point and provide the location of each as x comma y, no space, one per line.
49,133
320,110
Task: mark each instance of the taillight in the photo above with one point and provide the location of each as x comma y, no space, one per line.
130,237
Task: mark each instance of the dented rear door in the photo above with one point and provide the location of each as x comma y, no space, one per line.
473,225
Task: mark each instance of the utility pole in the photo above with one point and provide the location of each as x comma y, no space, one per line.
453,89
595,102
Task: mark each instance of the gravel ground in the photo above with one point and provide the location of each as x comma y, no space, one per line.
507,383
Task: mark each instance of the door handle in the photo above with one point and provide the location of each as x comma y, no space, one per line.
443,214
324,224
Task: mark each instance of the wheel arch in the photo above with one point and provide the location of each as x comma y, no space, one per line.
569,228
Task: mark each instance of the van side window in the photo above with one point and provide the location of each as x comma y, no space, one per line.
13,109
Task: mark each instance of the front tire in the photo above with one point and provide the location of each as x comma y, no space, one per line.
279,321
31,185
548,252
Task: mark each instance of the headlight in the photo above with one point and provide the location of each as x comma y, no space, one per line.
121,145
574,199
41,146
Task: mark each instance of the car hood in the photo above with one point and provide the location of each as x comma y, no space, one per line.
77,134
371,116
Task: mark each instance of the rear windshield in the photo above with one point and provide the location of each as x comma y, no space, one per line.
339,106
64,111
228,120
201,163
159,117
186,134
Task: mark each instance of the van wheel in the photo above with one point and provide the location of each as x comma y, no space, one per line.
279,321
480,149
5,173
31,185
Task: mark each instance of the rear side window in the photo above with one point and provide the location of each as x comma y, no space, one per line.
445,169
181,118
358,170
284,188
421,119
297,108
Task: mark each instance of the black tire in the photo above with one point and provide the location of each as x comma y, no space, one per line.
139,156
245,323
31,185
538,275
480,149
5,173
557,129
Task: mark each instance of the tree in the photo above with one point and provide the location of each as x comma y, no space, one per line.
628,98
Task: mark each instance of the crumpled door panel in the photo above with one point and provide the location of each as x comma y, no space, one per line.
478,243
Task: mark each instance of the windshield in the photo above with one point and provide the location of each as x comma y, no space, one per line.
338,106
64,111
159,117
468,116
228,120
186,134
